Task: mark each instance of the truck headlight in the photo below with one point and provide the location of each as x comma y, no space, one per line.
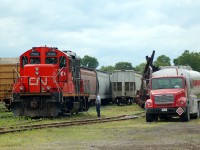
149,103
181,101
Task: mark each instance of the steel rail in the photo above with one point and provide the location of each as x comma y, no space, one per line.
68,123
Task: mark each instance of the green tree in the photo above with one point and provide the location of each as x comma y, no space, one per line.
123,66
162,60
140,68
189,59
89,62
107,68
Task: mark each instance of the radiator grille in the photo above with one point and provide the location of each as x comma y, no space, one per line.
164,99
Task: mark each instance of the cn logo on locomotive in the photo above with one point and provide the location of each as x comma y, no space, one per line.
63,73
35,81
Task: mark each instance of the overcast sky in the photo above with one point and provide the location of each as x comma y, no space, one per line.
109,30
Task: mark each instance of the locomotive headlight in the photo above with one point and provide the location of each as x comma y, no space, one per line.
36,73
48,88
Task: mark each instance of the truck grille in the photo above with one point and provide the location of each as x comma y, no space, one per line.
164,99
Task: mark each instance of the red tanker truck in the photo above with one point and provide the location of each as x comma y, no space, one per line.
174,91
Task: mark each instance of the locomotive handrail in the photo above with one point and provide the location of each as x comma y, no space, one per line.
59,89
16,72
59,71
14,87
55,79
18,76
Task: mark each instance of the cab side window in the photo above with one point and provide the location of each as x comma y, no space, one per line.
62,62
24,61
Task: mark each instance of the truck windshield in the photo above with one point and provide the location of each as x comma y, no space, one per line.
166,83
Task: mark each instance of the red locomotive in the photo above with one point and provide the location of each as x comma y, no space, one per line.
49,84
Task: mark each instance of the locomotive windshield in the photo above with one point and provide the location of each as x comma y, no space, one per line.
34,60
166,83
51,60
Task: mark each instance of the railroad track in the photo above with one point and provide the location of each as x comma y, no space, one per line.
12,129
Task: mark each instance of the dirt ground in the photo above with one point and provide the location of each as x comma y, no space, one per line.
174,135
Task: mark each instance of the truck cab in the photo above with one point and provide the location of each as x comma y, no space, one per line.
171,94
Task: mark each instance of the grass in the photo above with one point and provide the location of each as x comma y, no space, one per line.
82,137
54,136
7,119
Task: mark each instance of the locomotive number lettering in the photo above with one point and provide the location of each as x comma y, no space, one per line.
35,81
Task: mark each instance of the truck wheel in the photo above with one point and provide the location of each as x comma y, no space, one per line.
161,117
186,116
149,117
198,110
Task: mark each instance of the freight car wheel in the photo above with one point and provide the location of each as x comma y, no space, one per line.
149,117
130,101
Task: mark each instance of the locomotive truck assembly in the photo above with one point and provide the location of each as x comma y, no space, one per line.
173,92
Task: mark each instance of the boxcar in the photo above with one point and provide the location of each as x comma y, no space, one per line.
8,74
124,86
